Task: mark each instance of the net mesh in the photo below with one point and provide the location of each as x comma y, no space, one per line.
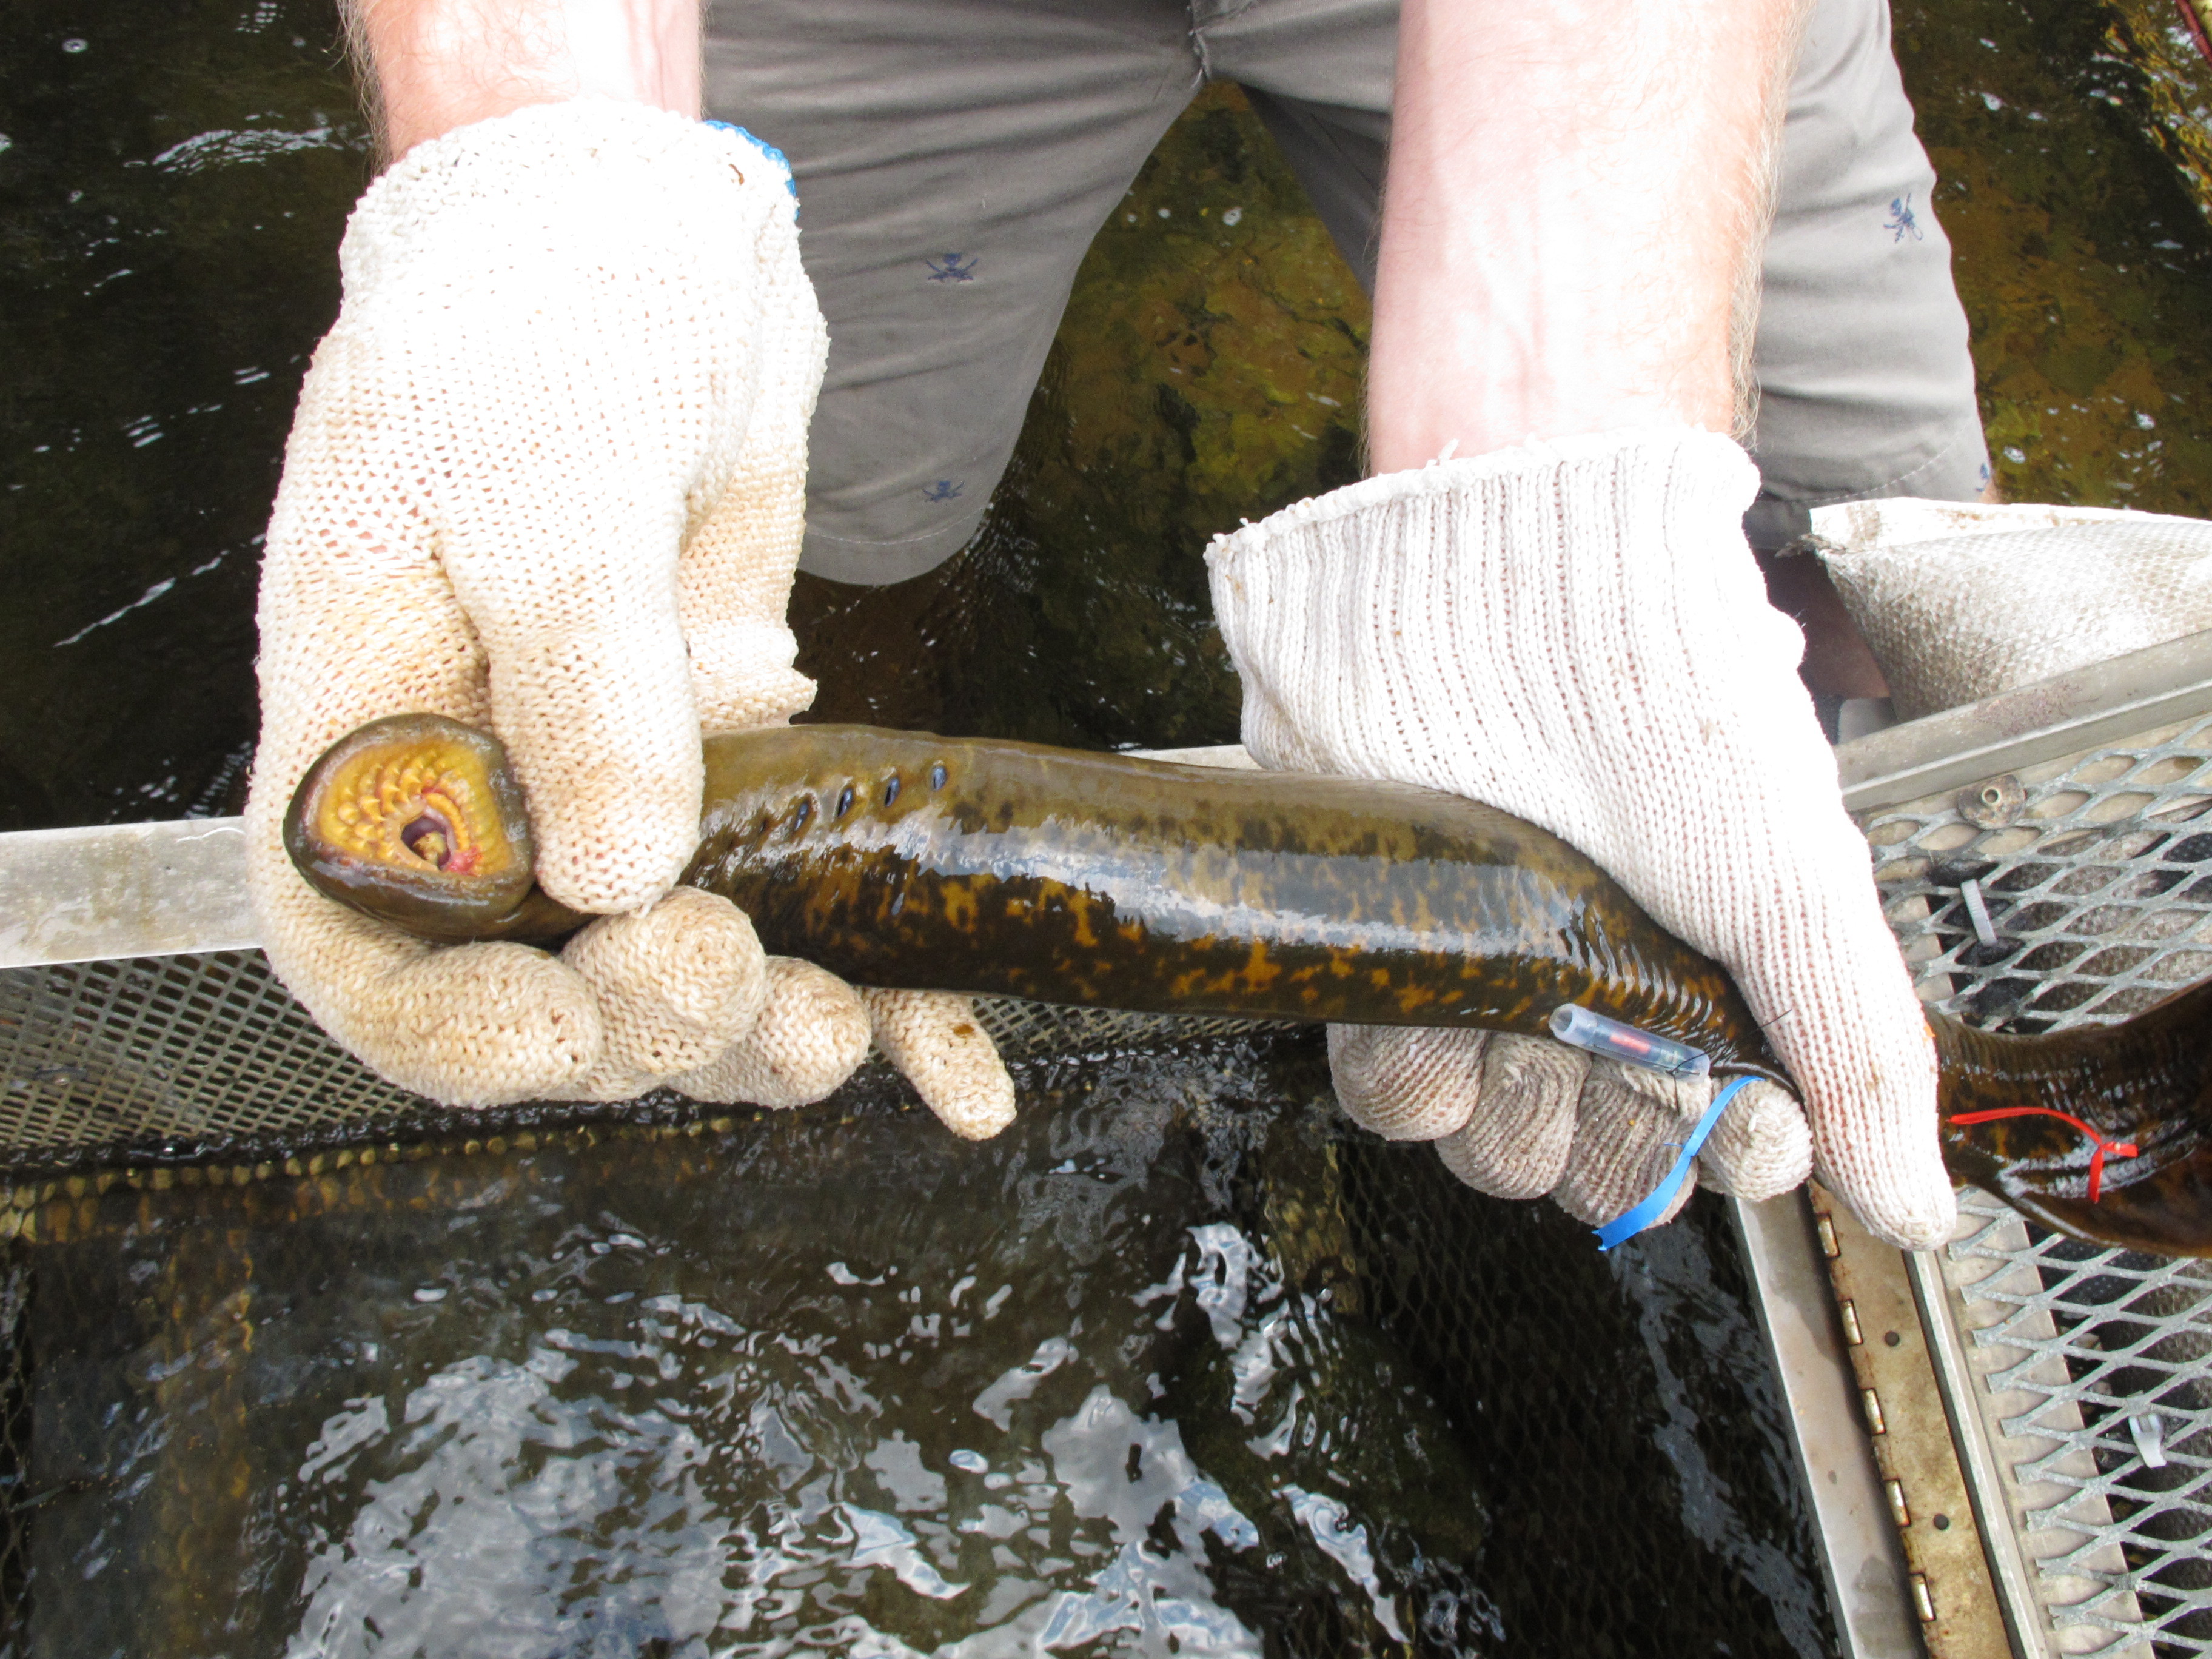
2092,877
119,1060
2097,1360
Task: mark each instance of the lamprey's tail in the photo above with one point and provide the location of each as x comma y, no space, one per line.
2104,1132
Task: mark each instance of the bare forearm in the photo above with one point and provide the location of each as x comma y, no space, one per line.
438,64
1577,193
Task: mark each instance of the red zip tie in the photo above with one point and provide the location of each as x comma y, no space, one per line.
2117,1148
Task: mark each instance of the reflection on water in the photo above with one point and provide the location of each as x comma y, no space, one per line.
173,179
1161,1372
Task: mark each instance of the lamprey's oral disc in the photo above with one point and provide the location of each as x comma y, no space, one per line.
416,820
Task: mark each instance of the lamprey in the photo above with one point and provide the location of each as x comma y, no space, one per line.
900,859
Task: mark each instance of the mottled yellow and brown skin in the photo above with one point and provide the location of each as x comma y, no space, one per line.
895,858
2147,1080
900,859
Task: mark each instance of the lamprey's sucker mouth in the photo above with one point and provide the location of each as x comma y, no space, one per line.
417,820
1008,869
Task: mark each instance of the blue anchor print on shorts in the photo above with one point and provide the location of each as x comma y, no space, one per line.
1902,222
953,268
944,489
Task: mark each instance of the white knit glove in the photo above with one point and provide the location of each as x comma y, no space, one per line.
547,477
1574,632
1523,1117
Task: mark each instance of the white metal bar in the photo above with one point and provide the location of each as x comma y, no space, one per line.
2061,715
2008,1570
129,889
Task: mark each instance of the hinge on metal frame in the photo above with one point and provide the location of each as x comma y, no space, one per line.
1921,1480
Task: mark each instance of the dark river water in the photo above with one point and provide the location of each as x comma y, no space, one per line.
1178,1365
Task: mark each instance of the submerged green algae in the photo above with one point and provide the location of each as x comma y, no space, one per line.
2167,42
2085,264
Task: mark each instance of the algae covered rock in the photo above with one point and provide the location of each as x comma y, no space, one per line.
2171,42
2085,264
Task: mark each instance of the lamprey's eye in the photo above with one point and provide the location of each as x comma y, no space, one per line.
416,821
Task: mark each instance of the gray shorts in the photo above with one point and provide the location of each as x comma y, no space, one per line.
955,158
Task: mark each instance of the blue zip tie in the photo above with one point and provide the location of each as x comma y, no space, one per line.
1623,1228
767,149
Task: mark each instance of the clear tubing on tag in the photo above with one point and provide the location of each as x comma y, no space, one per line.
1614,1040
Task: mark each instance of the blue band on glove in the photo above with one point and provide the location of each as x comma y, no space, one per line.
1646,1214
769,150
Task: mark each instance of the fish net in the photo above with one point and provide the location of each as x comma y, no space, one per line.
125,1062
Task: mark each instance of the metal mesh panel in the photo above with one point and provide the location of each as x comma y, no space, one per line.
167,1047
210,1049
2093,878
2092,884
2101,1355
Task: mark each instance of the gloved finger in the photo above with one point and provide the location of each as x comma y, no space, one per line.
1762,1147
1630,1127
734,579
676,985
591,692
934,1039
812,1035
604,301
1440,627
1806,943
1515,1142
1864,1058
1405,1081
472,1025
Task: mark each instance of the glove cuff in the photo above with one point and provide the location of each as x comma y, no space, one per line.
537,171
1583,565
1563,490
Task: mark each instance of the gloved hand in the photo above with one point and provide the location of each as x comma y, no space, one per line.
546,478
1574,632
1521,1117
